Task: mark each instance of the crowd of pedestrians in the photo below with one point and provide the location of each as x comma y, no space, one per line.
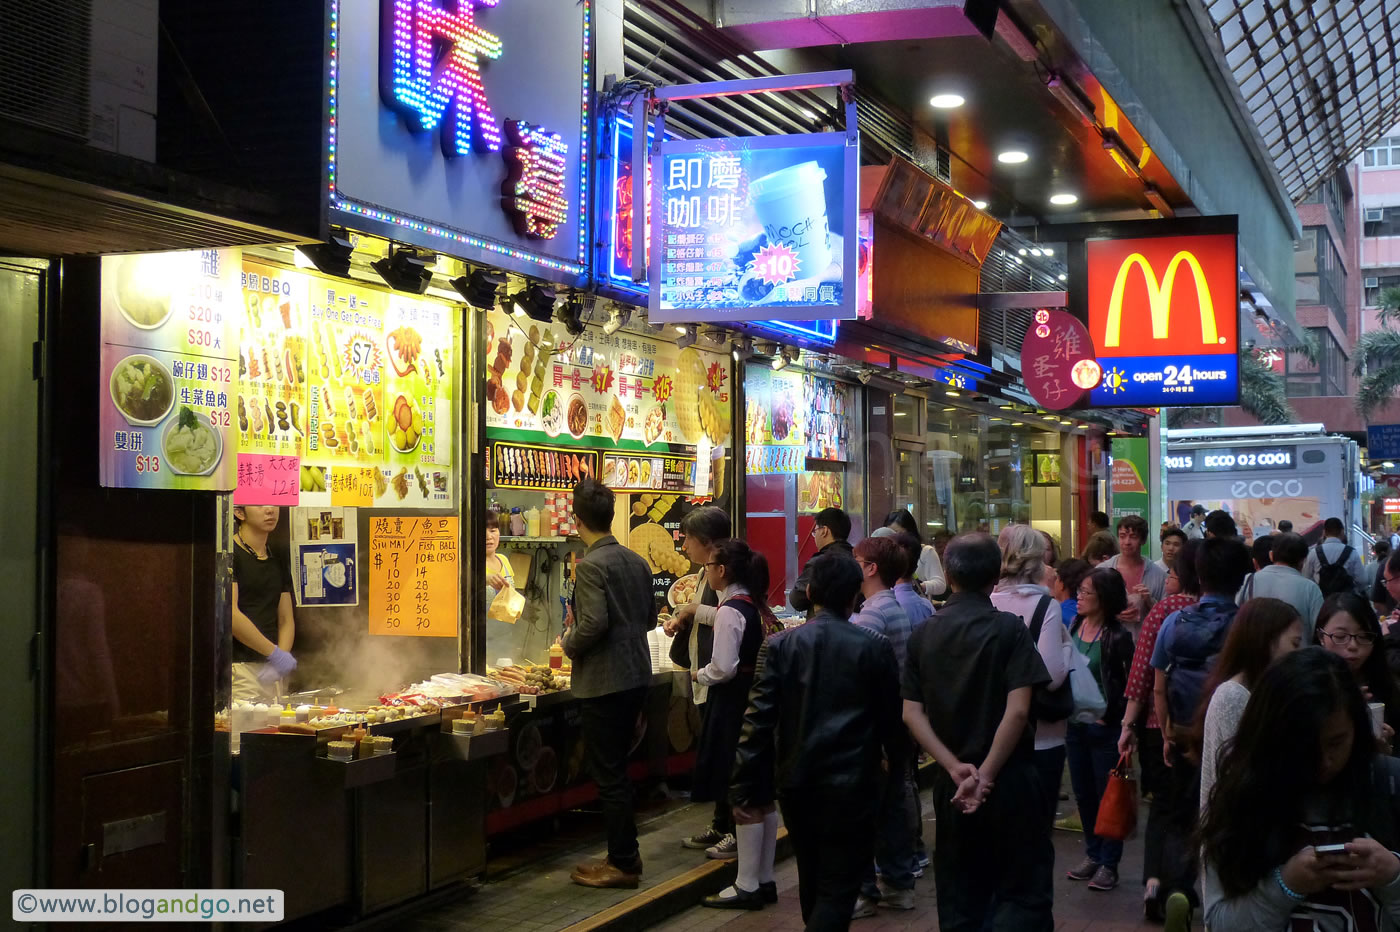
1254,687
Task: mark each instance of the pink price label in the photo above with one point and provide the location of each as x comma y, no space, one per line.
267,479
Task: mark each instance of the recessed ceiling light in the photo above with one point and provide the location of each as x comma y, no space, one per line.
980,205
1064,200
1021,252
1012,157
1018,260
809,114
946,101
1047,250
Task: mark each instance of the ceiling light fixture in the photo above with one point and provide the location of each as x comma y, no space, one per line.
1064,200
1021,252
1064,277
535,302
1012,157
743,348
980,205
480,288
406,269
687,336
331,257
946,101
617,319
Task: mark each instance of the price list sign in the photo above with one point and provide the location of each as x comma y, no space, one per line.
414,576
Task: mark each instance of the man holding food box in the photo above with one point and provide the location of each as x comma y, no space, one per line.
605,635
263,625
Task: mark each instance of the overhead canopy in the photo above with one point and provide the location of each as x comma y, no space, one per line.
1318,76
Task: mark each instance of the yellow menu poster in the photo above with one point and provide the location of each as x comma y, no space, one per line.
413,576
270,409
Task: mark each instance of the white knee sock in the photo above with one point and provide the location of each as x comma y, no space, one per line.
750,856
770,848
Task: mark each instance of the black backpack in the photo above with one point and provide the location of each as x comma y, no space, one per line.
1048,705
1333,577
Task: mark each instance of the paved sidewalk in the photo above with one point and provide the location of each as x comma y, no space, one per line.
1076,908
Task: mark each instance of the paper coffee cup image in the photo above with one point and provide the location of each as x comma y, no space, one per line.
1377,716
791,206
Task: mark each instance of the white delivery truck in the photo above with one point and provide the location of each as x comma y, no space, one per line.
1264,475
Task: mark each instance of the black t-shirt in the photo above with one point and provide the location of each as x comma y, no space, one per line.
260,587
961,666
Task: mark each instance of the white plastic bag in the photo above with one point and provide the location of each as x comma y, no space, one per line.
1089,704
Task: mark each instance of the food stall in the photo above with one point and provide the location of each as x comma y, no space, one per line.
652,420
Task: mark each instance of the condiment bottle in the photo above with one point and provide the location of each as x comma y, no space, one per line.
532,522
517,523
556,656
497,719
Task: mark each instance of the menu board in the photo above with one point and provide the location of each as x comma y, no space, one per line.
271,407
351,378
818,490
754,229
776,411
413,576
169,326
828,404
542,469
659,473
774,460
620,391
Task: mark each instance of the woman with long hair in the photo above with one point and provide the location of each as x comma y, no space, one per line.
1020,592
1301,774
1093,747
740,575
1264,630
929,572
1347,626
1141,731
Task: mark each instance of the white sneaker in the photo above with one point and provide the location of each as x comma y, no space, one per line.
865,908
727,848
896,899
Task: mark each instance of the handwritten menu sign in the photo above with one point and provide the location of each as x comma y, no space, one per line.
266,479
352,485
413,576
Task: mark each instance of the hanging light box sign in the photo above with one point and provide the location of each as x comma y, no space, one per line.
463,126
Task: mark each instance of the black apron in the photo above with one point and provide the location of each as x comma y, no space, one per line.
723,714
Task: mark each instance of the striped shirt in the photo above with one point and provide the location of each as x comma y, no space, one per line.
918,608
881,613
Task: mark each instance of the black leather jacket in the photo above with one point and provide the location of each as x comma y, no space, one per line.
1116,659
823,712
797,598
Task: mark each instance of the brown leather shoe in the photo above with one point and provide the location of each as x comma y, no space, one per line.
604,874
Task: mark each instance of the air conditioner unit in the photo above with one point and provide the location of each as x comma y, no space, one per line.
1375,214
1372,282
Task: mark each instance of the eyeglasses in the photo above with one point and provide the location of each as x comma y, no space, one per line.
1342,640
713,563
1390,579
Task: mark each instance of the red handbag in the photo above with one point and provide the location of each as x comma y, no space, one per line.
1118,810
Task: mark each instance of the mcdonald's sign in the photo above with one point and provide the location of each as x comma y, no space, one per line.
1164,318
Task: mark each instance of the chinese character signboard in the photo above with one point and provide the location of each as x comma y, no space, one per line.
1163,328
169,370
755,228
463,126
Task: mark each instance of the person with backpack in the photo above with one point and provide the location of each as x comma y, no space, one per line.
1092,747
736,572
1282,579
1334,564
882,562
1020,593
1188,645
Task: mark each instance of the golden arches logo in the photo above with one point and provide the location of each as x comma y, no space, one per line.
1159,296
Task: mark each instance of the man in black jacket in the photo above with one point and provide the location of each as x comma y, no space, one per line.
823,720
830,533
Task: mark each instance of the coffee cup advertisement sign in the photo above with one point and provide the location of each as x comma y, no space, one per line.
760,228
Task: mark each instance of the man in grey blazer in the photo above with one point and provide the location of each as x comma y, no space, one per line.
605,636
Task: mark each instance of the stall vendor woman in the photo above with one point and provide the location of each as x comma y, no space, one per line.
263,628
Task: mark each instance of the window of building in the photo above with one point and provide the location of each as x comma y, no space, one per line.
1384,154
1382,221
1319,271
1327,376
1375,284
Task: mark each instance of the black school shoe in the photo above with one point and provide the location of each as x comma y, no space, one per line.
769,891
742,899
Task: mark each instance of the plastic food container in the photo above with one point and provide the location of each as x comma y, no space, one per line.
341,750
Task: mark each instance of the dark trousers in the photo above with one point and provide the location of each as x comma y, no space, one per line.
1093,751
723,820
1050,767
833,838
1181,808
894,834
1155,777
608,725
994,868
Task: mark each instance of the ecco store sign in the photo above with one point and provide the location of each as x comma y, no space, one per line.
462,126
1266,488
